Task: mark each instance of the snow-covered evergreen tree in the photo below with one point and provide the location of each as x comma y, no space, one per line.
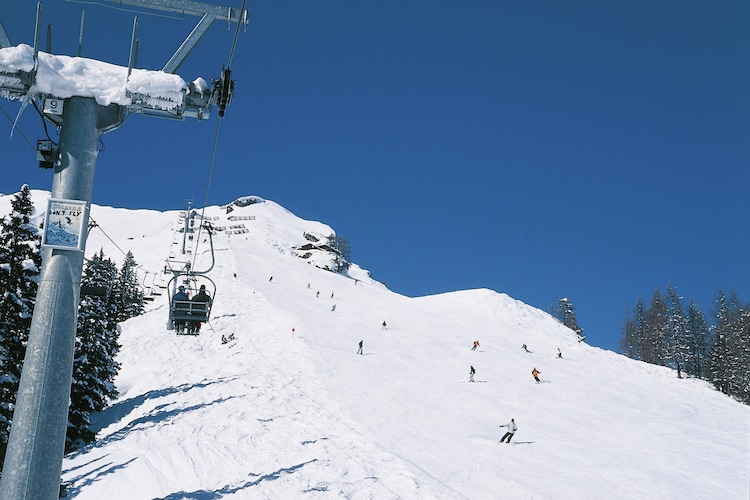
633,343
729,358
697,334
94,365
565,312
641,320
20,263
629,345
718,372
657,330
741,363
677,341
127,293
342,251
666,334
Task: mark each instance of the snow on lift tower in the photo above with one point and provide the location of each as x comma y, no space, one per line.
198,100
35,449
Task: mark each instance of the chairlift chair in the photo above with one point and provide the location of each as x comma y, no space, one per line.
145,294
187,316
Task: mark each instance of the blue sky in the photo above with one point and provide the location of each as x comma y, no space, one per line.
592,150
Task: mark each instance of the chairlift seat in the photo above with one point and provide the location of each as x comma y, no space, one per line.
187,315
186,310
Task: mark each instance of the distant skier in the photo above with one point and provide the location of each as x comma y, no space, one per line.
270,279
512,428
383,326
361,343
525,348
331,294
476,344
535,373
559,354
317,294
472,371
333,308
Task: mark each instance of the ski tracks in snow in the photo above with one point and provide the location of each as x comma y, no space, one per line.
342,450
288,421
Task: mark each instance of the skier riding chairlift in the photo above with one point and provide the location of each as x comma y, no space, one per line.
186,315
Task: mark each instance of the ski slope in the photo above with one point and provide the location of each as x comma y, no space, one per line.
289,410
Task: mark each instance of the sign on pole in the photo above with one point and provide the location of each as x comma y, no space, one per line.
65,224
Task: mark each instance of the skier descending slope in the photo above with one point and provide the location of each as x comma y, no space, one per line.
512,428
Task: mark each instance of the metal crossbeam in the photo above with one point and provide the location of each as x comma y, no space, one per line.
4,40
207,12
186,7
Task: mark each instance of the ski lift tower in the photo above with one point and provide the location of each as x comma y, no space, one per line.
33,459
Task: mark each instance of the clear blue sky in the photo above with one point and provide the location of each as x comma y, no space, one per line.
593,150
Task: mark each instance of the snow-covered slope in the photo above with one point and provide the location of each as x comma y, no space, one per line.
289,410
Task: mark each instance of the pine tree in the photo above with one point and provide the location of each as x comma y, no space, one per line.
634,343
657,330
727,362
719,353
677,342
94,365
742,355
666,334
20,263
342,251
127,293
697,335
737,366
629,339
644,342
565,312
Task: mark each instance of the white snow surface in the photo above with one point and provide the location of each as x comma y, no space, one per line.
64,76
289,410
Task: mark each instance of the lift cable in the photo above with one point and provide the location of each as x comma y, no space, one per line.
18,128
226,86
208,185
122,9
94,224
236,35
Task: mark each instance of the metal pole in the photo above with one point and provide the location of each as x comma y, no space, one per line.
80,33
33,460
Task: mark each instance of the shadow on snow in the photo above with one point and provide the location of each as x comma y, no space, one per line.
229,490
